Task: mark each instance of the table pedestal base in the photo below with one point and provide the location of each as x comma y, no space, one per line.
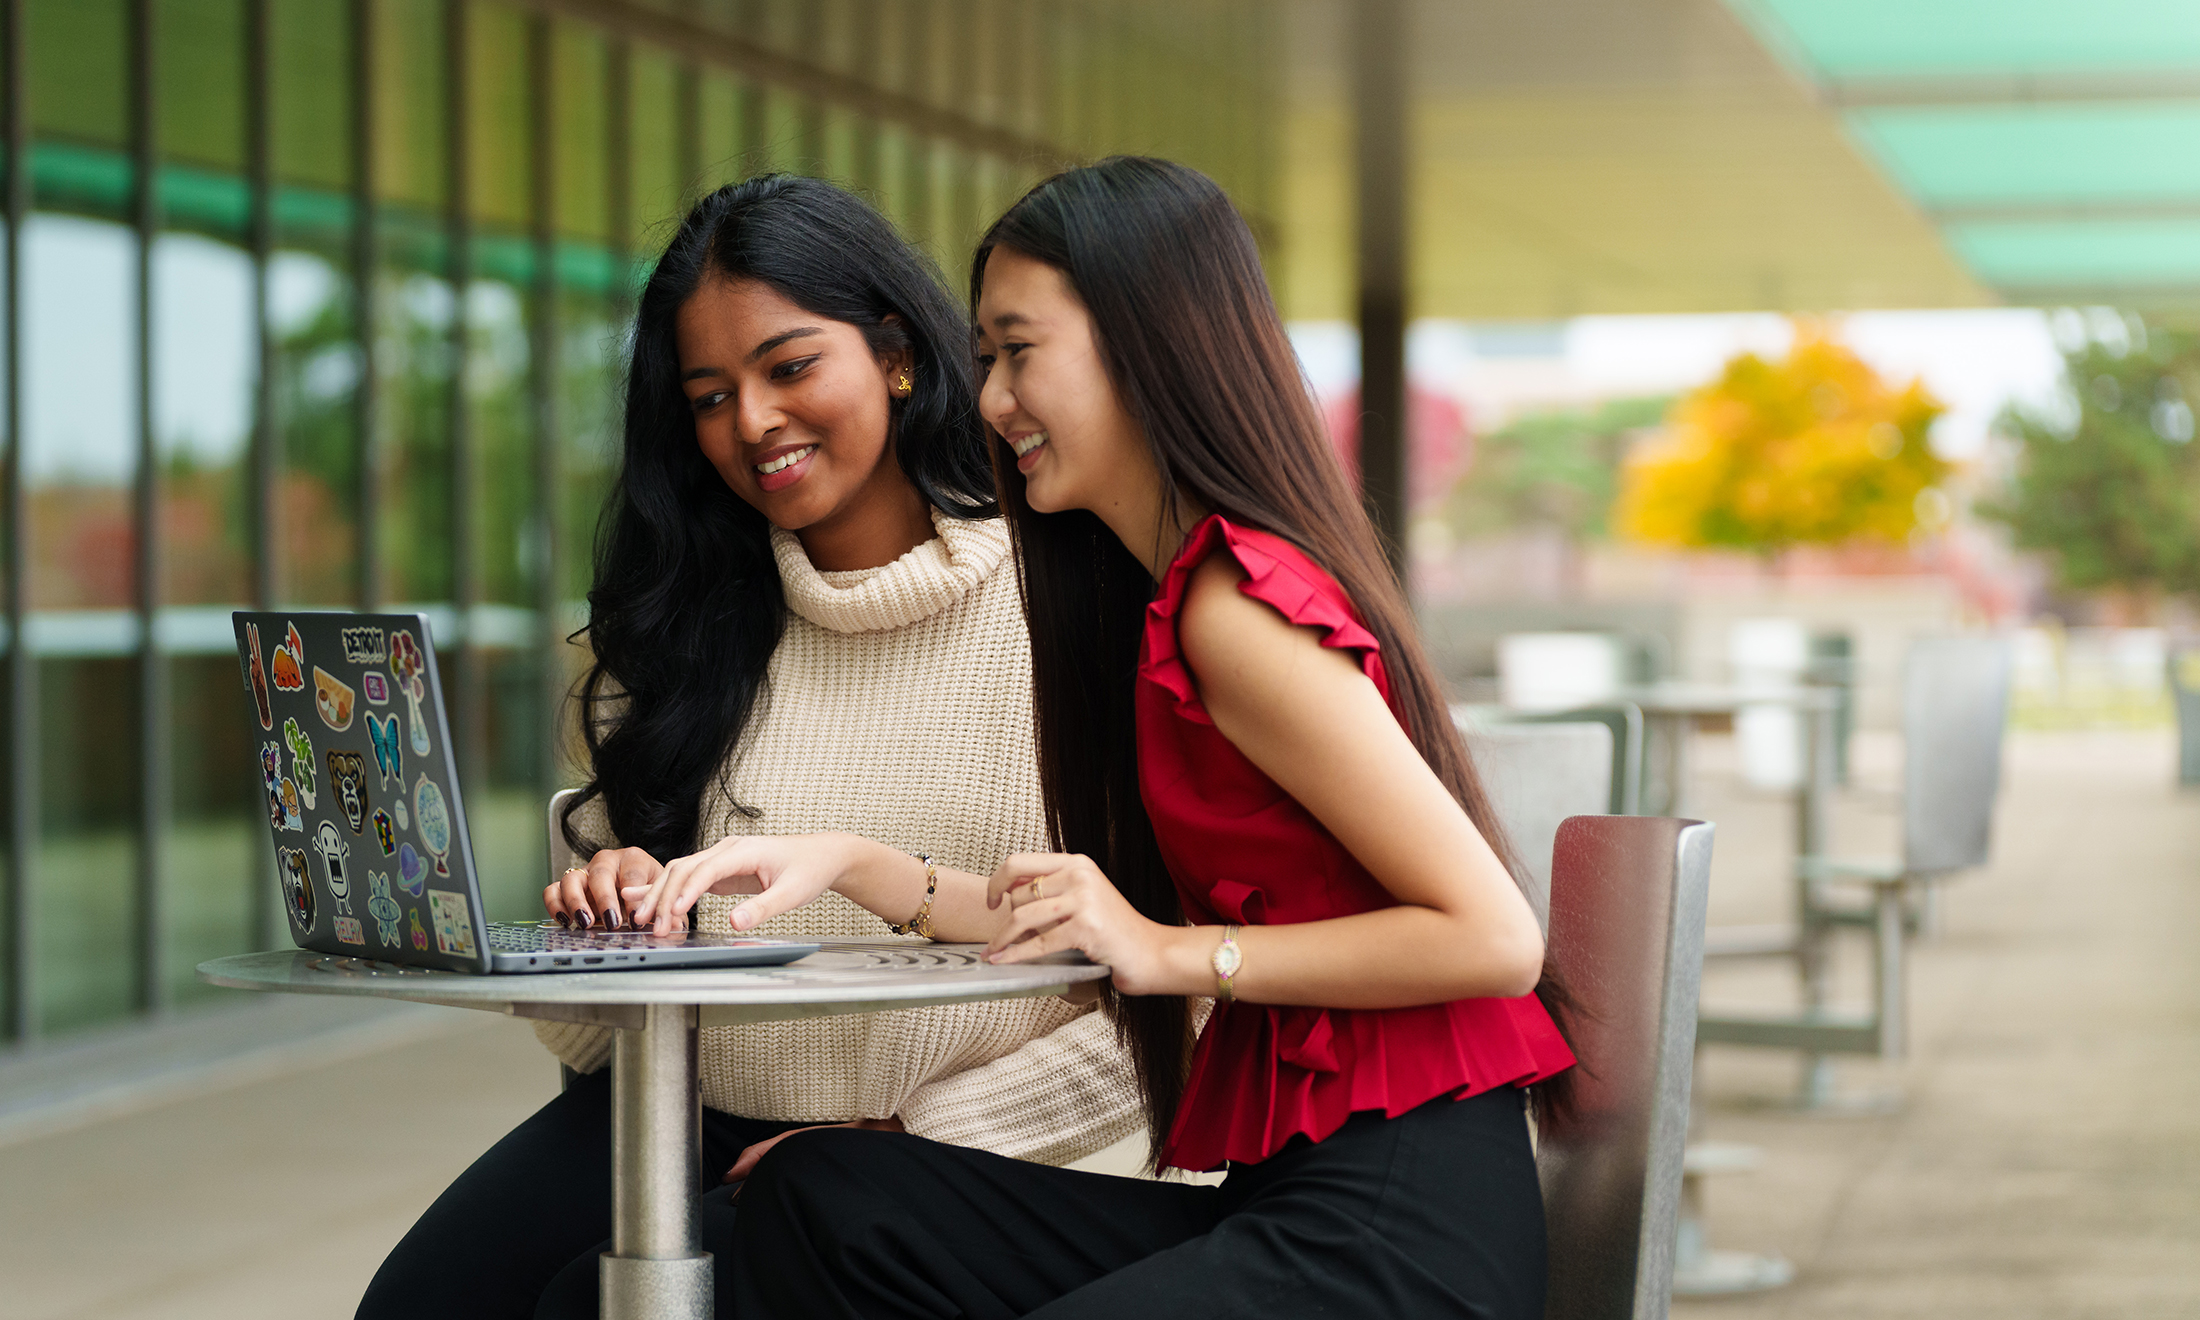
655,1269
656,1287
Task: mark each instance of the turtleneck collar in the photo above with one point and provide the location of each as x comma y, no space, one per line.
916,586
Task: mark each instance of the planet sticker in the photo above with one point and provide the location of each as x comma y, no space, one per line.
412,869
435,821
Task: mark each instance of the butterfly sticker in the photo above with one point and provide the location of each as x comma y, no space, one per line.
389,755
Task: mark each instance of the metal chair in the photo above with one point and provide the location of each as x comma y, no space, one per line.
1627,920
1537,775
1624,719
1955,702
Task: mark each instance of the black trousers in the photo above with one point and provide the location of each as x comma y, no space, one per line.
1434,1213
518,1234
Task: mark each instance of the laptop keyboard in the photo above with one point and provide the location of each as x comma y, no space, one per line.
529,937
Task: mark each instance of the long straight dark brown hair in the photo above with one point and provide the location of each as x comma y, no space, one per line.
1197,352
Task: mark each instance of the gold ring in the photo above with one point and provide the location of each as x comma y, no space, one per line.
576,870
1036,892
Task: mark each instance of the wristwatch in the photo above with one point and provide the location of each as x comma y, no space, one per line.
1226,962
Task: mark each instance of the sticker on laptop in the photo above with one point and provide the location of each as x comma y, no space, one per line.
389,758
435,821
288,665
384,832
454,925
347,778
255,677
282,793
382,906
404,816
407,665
297,886
375,688
301,760
333,697
330,844
348,931
364,646
412,869
419,936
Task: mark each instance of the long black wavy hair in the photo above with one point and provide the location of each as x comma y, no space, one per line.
1197,352
686,608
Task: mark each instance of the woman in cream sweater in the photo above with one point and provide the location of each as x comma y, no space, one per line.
805,619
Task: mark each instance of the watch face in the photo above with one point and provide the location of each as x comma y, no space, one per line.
1227,959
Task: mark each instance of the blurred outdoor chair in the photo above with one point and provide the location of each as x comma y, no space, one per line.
1955,702
1624,719
1536,776
1626,934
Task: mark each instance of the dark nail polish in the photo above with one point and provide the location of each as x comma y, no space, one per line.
614,920
588,921
565,921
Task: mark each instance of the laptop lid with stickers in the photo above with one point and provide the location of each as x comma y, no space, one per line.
357,777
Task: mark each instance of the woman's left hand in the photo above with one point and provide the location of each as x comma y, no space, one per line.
783,871
746,1163
1062,901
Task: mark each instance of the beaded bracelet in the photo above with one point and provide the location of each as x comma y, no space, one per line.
921,924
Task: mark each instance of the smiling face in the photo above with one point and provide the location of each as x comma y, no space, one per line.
793,410
1048,393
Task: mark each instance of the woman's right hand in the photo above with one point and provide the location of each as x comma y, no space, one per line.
587,897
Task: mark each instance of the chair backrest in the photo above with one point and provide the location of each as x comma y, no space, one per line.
1955,701
560,852
1624,719
1627,923
1537,775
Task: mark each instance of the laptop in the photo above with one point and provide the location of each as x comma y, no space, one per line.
371,846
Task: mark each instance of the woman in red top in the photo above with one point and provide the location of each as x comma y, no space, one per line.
1259,796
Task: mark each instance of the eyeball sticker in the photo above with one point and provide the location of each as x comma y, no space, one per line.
435,821
255,678
383,908
288,666
301,760
454,927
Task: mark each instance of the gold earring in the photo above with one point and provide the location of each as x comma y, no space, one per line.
904,383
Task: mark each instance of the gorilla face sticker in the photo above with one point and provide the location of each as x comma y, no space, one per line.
334,851
297,886
347,777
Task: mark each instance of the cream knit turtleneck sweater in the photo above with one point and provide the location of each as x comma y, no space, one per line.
898,707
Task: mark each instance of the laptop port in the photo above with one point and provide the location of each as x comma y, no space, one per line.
592,960
561,962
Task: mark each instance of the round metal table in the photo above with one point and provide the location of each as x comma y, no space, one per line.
656,1266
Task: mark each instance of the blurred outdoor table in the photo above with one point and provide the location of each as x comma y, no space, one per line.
656,1267
1670,712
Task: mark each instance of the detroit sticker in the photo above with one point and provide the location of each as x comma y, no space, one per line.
454,926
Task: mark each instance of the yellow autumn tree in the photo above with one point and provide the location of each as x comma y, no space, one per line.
1815,449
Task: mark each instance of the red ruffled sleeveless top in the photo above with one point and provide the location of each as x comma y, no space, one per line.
1243,851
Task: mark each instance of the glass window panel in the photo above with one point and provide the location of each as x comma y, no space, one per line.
79,460
583,182
497,150
78,52
311,117
719,141
657,184
316,372
204,367
215,845
497,370
200,81
415,307
410,103
2138,255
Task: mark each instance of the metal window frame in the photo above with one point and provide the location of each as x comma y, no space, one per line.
22,676
149,927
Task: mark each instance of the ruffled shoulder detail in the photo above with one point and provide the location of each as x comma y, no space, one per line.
1279,575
